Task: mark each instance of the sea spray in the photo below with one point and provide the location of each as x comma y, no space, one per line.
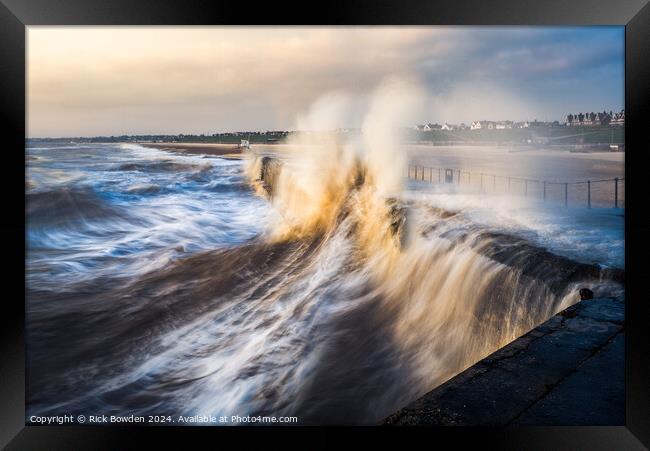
395,103
323,168
444,300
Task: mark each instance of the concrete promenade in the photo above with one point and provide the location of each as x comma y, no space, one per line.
570,370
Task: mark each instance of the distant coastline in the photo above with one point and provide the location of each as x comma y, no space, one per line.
221,150
579,137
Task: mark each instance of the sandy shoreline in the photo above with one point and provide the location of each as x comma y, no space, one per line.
222,150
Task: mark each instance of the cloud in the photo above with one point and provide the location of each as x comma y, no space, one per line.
112,80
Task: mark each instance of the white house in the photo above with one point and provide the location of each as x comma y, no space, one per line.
429,127
446,126
477,125
618,119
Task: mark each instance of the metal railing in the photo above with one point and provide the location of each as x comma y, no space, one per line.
592,193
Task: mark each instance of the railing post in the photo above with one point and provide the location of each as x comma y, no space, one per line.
566,194
588,193
616,192
481,182
459,176
544,190
526,188
430,175
494,182
439,175
508,184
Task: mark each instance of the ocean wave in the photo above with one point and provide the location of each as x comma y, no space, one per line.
161,166
145,188
67,205
228,186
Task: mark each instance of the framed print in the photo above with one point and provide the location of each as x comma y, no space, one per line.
239,220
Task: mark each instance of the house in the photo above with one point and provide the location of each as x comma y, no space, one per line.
604,118
535,123
478,125
618,118
446,126
592,118
429,127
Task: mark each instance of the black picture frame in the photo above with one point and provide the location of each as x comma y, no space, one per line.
16,15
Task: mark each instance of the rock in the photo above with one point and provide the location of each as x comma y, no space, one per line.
398,215
585,294
269,173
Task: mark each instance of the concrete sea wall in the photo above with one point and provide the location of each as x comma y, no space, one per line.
570,370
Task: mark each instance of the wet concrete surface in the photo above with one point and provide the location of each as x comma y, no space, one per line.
570,370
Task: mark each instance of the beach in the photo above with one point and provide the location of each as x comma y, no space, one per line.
222,150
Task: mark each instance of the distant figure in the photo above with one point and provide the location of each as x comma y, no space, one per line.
585,294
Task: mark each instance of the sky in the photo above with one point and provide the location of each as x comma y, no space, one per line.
90,81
